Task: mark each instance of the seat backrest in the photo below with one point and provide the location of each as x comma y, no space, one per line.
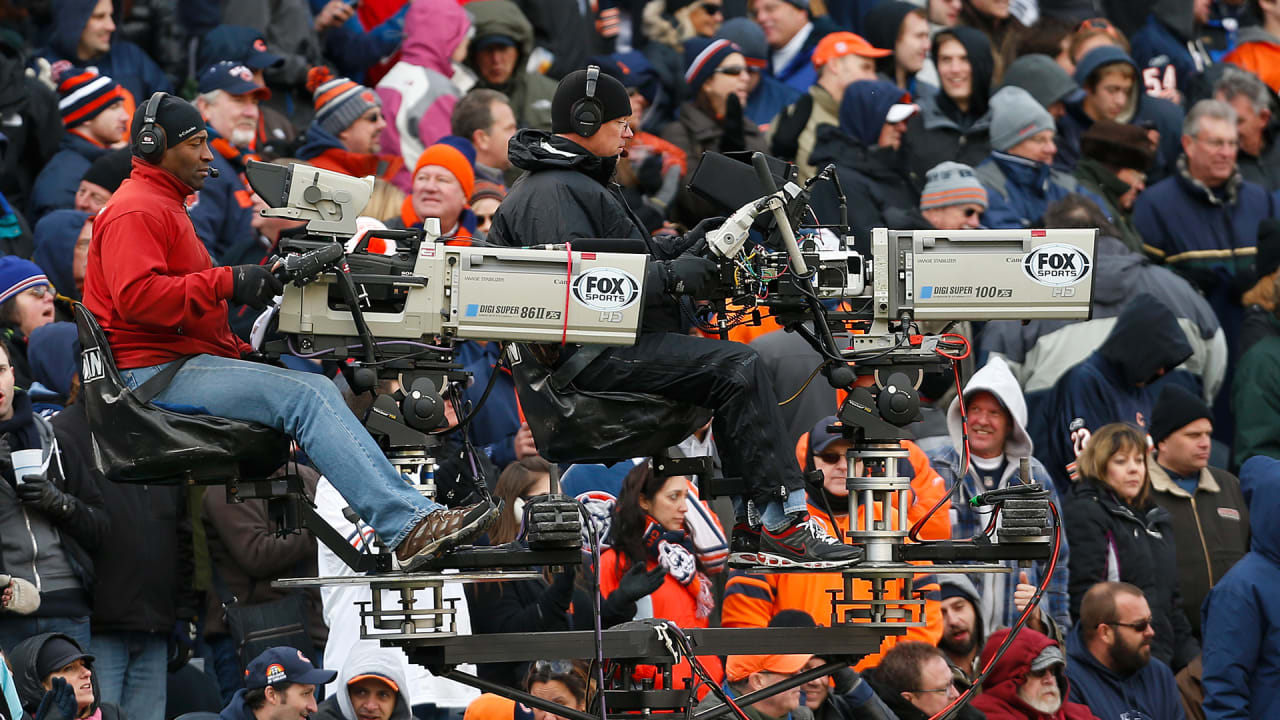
137,442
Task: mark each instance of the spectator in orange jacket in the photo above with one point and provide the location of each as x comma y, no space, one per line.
752,599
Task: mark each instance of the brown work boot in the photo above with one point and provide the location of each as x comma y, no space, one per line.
443,530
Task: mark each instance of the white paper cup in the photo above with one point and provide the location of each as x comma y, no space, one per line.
26,462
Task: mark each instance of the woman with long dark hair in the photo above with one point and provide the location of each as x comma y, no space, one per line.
1117,532
650,538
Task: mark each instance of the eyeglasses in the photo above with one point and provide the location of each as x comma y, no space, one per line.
374,117
556,667
482,219
970,212
831,458
710,8
949,688
1138,627
40,291
734,70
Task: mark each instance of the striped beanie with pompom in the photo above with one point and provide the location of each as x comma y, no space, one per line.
83,94
339,101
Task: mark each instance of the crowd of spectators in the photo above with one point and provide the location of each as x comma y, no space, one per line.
1154,121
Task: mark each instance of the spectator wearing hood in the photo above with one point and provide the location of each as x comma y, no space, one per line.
793,34
1113,90
499,55
1258,48
901,26
996,413
713,119
1029,682
247,46
371,686
1258,123
1117,531
1169,48
102,179
1045,79
1019,176
44,659
58,234
1111,661
417,93
766,95
842,59
443,180
953,123
81,38
963,631
346,133
95,121
866,150
54,352
752,599
51,519
281,682
1114,162
1118,382
1241,615
1208,509
1039,352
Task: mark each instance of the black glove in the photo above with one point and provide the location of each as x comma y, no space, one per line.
690,274
59,703
254,285
560,593
693,240
637,582
846,679
38,492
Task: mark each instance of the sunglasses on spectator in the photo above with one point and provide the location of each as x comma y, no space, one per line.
970,212
482,219
1138,627
710,8
734,70
373,118
831,458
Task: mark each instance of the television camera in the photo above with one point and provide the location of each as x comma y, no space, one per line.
394,304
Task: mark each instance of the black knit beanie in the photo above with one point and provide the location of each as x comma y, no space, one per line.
609,91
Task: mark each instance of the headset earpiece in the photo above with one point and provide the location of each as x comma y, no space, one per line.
151,141
588,114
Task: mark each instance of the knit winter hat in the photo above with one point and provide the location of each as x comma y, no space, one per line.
487,189
18,275
701,58
1118,145
339,101
179,118
610,91
83,94
952,183
747,35
1176,408
110,169
1041,76
454,154
1016,116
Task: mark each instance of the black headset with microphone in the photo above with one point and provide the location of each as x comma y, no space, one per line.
151,141
587,114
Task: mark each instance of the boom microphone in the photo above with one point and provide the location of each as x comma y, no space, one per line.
213,172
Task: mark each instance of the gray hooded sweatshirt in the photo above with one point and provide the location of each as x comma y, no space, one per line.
365,660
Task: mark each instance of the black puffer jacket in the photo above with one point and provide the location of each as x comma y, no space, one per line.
872,180
567,194
1112,540
30,686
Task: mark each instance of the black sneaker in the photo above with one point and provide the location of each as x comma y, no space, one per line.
744,546
805,544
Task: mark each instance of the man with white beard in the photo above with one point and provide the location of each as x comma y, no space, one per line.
1029,682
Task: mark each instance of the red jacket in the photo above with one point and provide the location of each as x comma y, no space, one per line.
999,699
150,281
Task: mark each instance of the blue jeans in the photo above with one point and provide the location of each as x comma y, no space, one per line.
16,628
308,408
132,670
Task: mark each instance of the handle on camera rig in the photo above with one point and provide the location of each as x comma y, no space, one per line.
304,268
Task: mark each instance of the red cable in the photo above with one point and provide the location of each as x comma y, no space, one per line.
564,328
